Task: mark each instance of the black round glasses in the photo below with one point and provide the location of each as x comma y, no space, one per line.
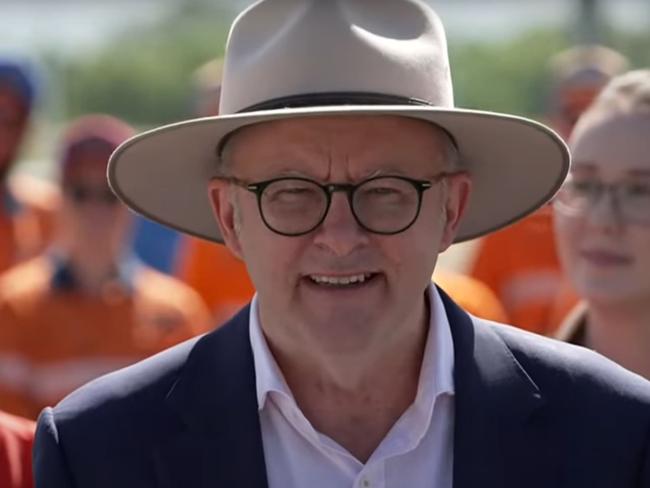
294,206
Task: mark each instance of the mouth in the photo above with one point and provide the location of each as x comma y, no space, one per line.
606,258
356,280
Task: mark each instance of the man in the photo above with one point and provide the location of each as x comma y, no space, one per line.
86,307
338,171
16,440
26,204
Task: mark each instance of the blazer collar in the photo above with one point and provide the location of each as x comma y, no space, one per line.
499,439
497,434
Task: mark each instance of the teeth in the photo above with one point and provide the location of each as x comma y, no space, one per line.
340,280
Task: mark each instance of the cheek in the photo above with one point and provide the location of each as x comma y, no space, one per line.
272,260
568,232
639,243
412,255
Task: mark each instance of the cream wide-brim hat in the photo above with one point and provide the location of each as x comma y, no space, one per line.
314,58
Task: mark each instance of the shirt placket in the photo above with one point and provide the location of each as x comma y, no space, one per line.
372,476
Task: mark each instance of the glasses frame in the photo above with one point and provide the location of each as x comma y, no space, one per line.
611,190
329,189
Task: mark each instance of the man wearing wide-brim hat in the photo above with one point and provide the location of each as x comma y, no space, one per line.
338,170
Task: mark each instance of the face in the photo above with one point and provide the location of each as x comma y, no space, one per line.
93,219
296,306
606,249
13,124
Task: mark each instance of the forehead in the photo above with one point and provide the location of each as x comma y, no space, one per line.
87,164
615,143
364,139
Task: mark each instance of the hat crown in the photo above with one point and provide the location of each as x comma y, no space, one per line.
279,49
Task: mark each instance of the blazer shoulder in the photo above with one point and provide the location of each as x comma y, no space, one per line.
139,383
574,371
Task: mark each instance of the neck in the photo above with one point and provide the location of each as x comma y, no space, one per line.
92,270
357,400
622,333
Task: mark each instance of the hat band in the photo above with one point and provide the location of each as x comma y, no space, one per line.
332,99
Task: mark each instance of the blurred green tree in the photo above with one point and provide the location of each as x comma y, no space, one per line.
144,77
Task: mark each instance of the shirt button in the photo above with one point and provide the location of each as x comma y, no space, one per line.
366,483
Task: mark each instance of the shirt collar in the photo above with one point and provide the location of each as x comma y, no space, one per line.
436,373
63,278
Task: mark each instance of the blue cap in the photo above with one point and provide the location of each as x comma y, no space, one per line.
21,77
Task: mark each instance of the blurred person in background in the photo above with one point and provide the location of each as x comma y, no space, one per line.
26,204
471,294
16,440
86,306
520,263
602,217
212,270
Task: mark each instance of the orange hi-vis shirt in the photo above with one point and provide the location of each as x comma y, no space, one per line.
54,338
27,209
472,295
520,264
219,277
16,441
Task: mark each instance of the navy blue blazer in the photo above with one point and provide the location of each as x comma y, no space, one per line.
529,412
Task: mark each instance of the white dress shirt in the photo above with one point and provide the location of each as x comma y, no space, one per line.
416,453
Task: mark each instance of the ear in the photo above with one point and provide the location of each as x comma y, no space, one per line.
459,189
221,200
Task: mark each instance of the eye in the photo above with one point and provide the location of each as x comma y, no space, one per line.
291,191
382,190
586,187
637,190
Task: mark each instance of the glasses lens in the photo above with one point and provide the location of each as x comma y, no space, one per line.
293,206
386,205
632,198
635,201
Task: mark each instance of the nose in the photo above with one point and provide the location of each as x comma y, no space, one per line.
340,233
605,213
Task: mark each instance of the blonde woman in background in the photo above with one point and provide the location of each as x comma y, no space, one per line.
603,224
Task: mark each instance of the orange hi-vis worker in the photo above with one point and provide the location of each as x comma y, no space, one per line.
220,278
86,306
27,209
54,337
16,440
475,297
26,204
520,264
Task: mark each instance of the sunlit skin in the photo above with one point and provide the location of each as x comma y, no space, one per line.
615,150
606,257
13,126
343,350
93,234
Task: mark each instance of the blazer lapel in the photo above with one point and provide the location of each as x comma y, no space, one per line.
219,443
501,435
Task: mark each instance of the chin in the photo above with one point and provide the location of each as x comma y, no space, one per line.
341,331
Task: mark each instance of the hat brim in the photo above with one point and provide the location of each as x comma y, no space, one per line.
516,164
